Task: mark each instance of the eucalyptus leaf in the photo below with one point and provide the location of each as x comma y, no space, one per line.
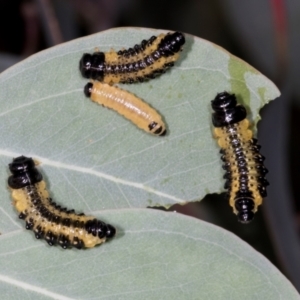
98,159
95,161
156,255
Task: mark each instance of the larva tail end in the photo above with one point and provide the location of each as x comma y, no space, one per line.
163,133
245,218
180,38
88,89
171,44
245,207
157,129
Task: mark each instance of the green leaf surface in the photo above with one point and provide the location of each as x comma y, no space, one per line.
156,255
96,157
95,161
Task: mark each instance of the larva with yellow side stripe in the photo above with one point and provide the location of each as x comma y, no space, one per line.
142,62
245,172
126,104
48,220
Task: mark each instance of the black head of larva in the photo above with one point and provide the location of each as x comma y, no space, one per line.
21,164
171,44
244,206
24,173
110,231
92,65
226,110
88,89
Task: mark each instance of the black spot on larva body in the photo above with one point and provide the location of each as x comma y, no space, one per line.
240,157
227,184
47,219
50,238
77,243
22,216
99,65
227,175
29,224
63,241
38,232
137,49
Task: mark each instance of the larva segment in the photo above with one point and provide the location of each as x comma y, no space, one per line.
245,172
55,224
126,104
142,62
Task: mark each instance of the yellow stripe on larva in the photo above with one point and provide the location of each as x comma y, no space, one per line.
57,225
112,57
137,64
242,161
128,105
159,65
22,200
244,135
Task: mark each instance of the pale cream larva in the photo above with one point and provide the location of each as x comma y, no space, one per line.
128,105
